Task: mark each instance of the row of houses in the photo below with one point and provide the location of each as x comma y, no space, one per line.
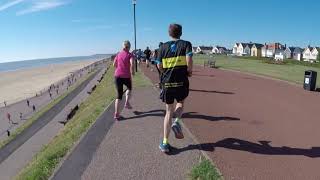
211,50
276,51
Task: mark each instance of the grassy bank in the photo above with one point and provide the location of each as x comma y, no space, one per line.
204,171
290,71
43,110
44,163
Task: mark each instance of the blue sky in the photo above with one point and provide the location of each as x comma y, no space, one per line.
54,28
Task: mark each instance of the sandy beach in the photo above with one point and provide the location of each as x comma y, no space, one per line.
21,84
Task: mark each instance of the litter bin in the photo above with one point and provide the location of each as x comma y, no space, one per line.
310,79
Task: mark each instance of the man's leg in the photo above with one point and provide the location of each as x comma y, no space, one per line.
119,87
179,110
164,145
176,126
167,121
128,84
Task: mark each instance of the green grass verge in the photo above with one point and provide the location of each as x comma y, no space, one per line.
204,171
44,163
43,110
292,71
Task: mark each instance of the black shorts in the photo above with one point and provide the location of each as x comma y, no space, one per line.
179,94
119,85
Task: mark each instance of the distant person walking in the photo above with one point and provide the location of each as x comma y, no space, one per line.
28,102
21,116
124,64
175,62
9,118
147,52
34,108
5,103
50,95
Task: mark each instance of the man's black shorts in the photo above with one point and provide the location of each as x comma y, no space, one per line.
179,94
119,85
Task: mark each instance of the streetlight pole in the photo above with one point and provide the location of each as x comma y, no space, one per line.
134,2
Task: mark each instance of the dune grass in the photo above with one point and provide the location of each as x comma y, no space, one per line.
44,163
43,110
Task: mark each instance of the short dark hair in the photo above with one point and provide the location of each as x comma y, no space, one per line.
175,30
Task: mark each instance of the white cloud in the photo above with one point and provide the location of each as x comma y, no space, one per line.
10,4
42,5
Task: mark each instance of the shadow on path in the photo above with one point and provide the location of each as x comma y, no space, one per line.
262,147
189,115
209,91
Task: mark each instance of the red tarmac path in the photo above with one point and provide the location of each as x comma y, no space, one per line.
253,127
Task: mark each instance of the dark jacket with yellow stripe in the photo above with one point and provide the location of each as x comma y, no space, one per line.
172,56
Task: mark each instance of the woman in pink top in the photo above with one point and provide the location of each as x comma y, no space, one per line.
123,64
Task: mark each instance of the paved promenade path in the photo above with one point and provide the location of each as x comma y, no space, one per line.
129,149
254,127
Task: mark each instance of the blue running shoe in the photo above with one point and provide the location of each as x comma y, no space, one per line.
164,147
177,129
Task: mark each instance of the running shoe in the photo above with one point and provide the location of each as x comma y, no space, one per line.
165,148
177,129
128,106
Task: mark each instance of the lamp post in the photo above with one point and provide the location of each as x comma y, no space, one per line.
134,2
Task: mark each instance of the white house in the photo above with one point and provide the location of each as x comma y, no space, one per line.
315,53
235,48
247,49
204,49
279,54
238,49
297,53
219,50
194,49
269,50
310,54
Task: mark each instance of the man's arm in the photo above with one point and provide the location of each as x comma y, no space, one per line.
190,65
132,66
189,59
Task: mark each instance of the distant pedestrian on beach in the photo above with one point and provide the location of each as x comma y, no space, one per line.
175,62
124,70
21,116
34,108
9,118
50,95
28,102
5,103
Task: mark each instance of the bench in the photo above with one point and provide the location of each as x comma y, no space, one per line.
92,89
70,115
100,79
210,63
